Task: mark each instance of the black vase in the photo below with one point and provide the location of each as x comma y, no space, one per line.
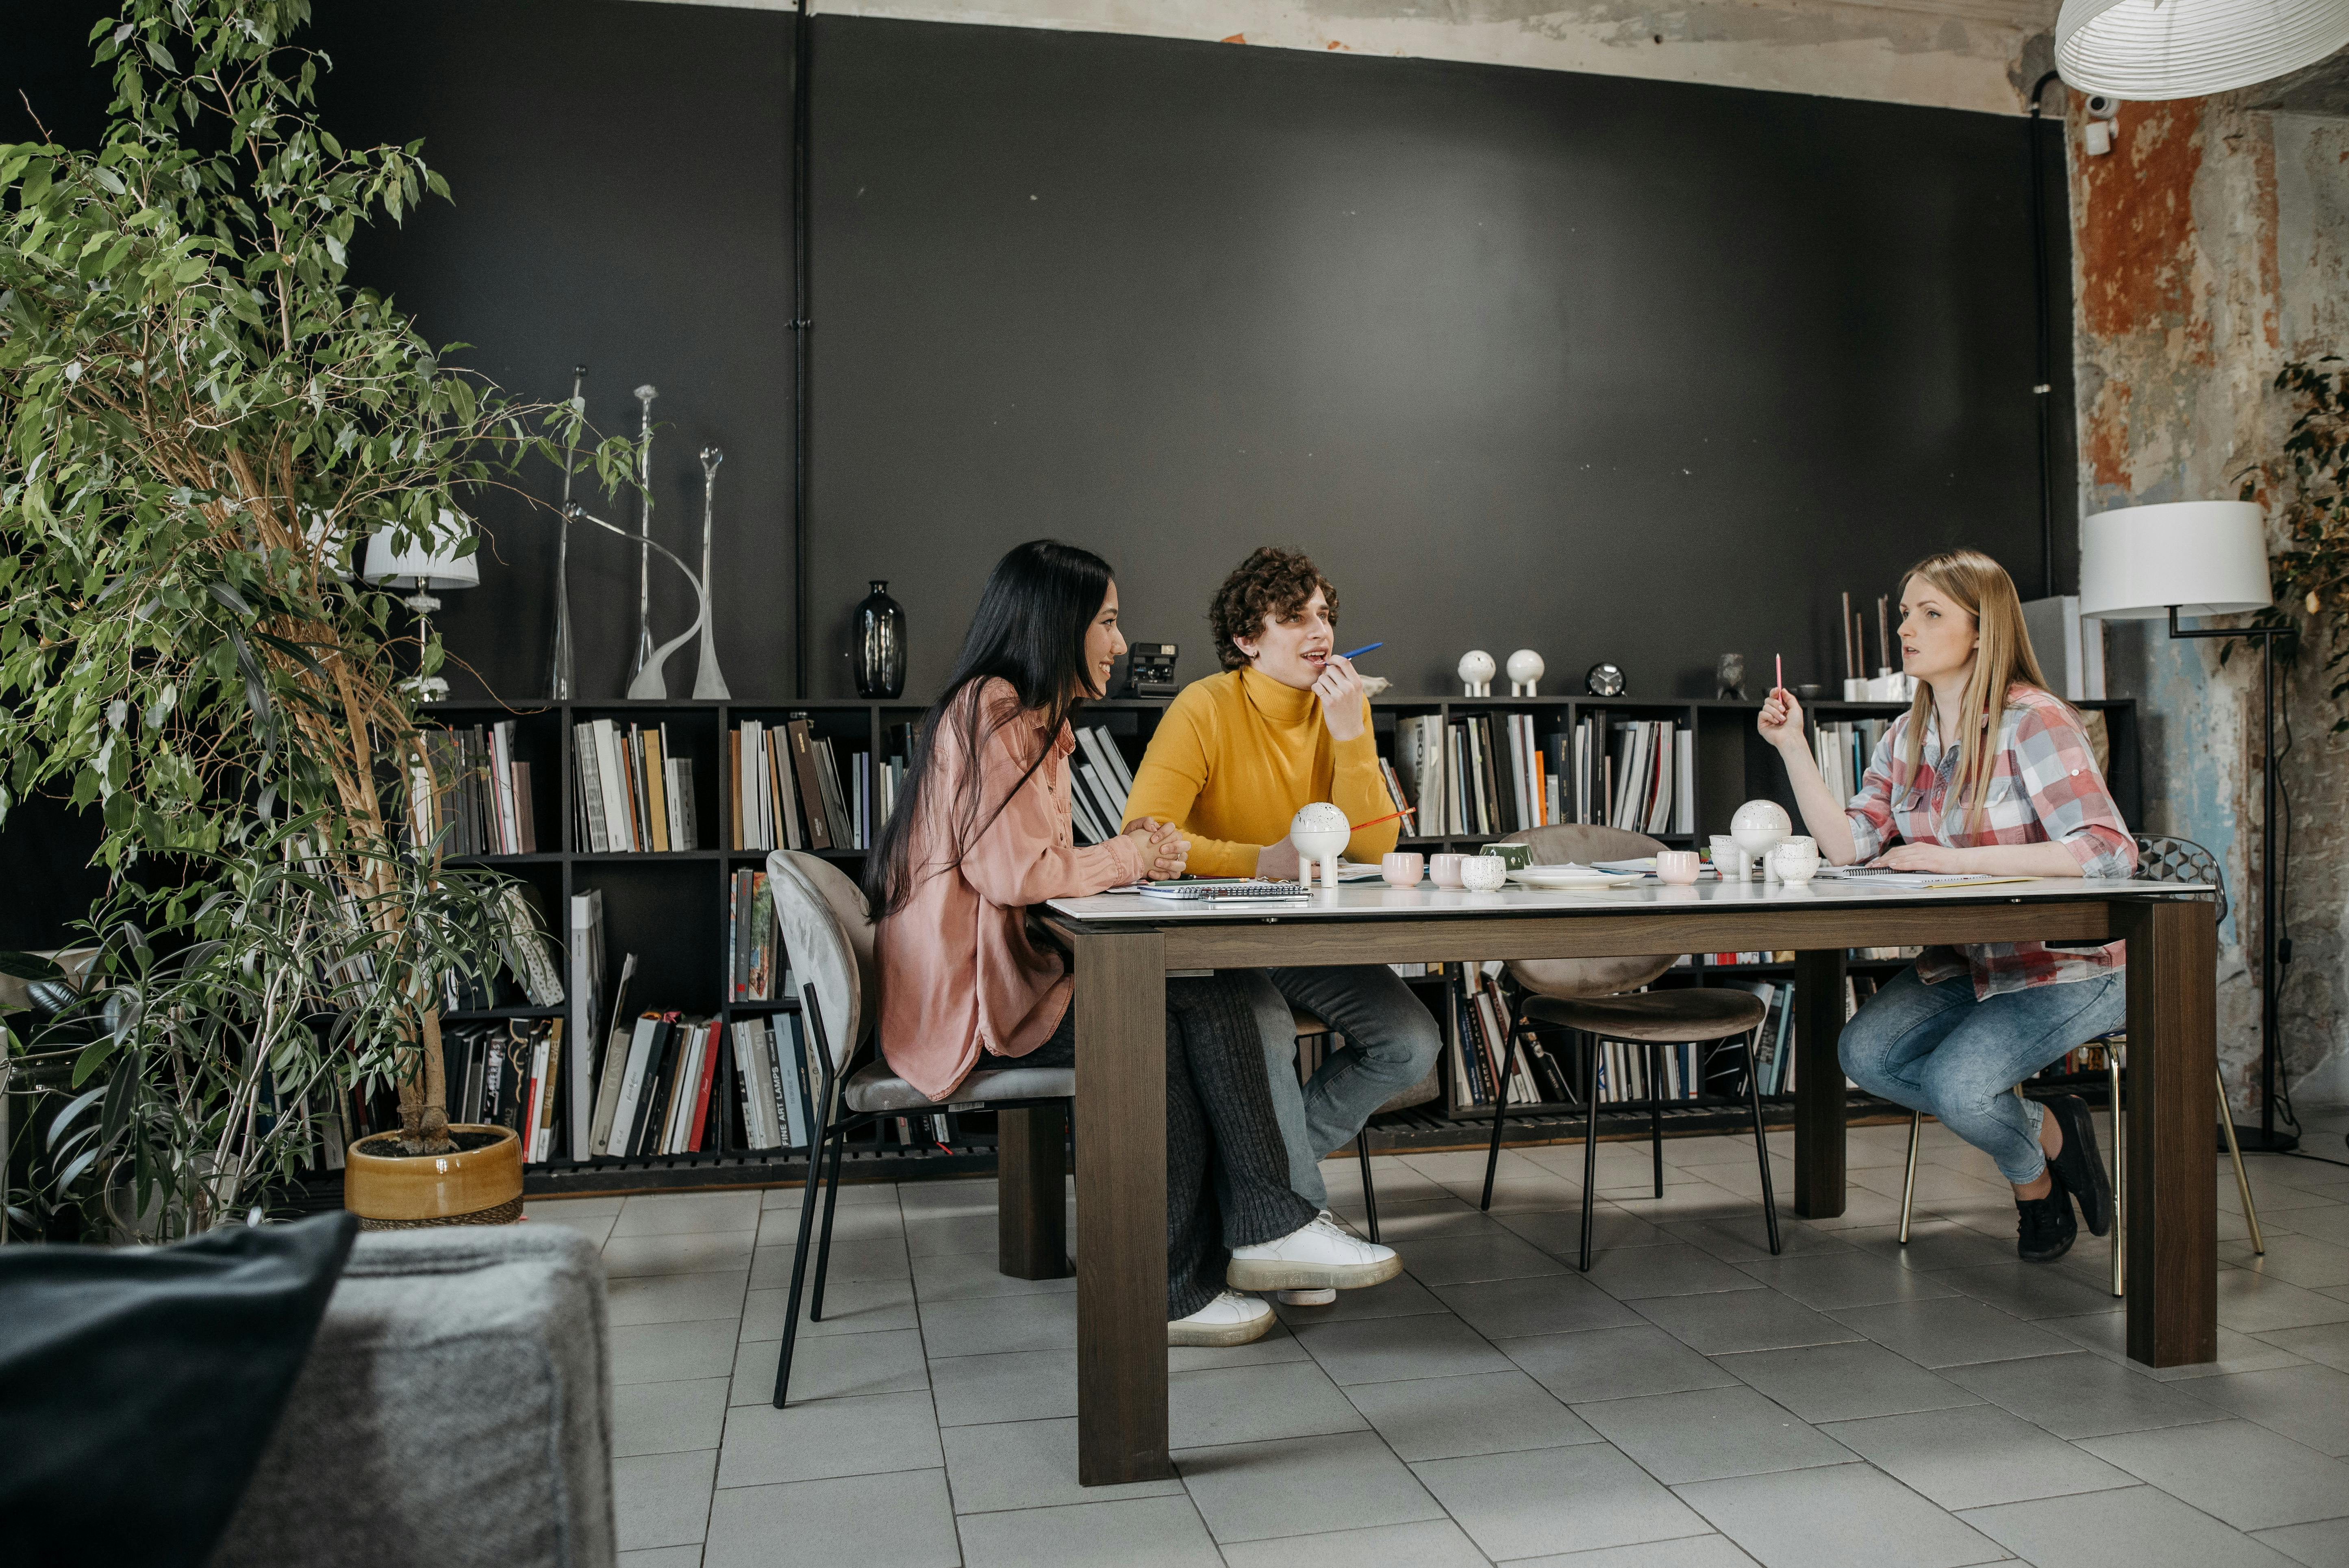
880,644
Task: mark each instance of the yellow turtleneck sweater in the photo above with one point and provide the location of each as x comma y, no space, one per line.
1237,754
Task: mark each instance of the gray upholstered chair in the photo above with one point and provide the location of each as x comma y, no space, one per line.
1419,1093
1601,996
2159,858
827,930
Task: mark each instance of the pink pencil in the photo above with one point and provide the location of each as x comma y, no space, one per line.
1780,660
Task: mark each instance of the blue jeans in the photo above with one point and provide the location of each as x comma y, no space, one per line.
1392,1041
1935,1049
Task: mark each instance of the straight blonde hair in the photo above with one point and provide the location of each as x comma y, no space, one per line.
2003,657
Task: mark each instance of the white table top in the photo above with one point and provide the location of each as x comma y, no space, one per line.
1374,901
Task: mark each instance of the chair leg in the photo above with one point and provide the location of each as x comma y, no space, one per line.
823,1247
1500,1112
799,1262
2242,1183
2120,1172
1589,1148
1909,1181
1656,1120
1761,1150
1370,1193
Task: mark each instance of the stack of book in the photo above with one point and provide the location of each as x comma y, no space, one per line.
471,797
508,1073
1099,783
656,1094
1845,750
1638,774
789,792
752,943
771,1074
1473,777
1478,1037
635,795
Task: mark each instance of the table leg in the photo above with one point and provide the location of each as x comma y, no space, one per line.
1819,1102
1030,1156
2172,1218
1121,1002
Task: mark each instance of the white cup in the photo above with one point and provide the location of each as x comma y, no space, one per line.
1730,858
1795,861
1484,873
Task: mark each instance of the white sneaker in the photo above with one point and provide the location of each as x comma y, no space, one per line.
1230,1319
1319,1255
1321,1297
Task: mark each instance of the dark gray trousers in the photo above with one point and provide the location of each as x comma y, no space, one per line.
1226,1165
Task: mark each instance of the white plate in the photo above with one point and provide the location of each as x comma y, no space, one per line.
1553,877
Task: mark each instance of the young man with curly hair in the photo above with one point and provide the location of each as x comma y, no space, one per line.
1287,723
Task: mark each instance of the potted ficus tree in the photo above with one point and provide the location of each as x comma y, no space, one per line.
201,418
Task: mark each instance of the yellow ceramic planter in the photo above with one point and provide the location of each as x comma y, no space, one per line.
471,1187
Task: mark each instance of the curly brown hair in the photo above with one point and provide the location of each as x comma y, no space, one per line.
1272,581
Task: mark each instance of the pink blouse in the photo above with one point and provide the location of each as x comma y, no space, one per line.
959,975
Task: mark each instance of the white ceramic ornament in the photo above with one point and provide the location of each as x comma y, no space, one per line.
1484,873
1476,668
1525,668
1760,826
1320,831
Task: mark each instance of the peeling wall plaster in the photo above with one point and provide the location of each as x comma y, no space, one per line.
2209,247
1950,54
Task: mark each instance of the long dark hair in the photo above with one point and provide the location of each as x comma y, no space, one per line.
1030,630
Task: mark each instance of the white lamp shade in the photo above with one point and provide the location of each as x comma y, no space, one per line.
2154,49
2198,557
431,564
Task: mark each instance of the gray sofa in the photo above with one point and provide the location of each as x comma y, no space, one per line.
455,1410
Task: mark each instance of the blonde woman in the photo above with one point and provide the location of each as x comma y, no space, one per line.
1988,771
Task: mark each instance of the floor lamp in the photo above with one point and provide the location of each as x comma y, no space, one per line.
2202,558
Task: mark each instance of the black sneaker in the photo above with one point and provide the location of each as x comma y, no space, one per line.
2078,1166
2044,1226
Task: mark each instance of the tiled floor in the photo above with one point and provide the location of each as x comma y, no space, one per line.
1693,1402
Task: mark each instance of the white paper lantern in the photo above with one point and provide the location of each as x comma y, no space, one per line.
2156,49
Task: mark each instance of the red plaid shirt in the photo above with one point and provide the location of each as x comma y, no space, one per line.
2043,785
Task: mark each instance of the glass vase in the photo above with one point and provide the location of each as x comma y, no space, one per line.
880,644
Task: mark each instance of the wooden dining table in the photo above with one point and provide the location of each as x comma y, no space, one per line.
1126,946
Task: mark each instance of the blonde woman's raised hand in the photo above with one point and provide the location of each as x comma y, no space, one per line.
1781,719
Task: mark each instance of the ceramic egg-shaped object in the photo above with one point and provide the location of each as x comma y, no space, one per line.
1760,826
1320,831
1525,671
1476,670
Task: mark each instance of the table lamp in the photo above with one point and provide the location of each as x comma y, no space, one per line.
425,567
2202,558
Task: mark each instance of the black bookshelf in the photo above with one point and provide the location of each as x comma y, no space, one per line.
670,908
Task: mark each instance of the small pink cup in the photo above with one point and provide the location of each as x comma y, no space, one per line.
1676,865
1403,869
1445,869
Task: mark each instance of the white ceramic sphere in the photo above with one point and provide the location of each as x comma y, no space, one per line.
1525,667
1759,825
1320,831
1476,666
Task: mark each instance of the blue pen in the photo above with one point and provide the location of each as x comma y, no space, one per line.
1365,648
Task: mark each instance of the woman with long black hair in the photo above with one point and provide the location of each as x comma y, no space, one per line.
981,832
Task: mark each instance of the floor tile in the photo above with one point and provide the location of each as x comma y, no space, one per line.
903,1521
661,1557
1545,1304
1277,1344
871,1436
1138,1532
1691,1552
1461,1260
1975,1457
1529,1195
2255,1303
1850,1278
1932,1244
669,1352
1383,1350
597,1228
693,1252
851,1195
1022,1386
2107,1334
1426,1219
2081,1395
930,1200
832,1365
1746,1237
1951,1331
1448,1417
1677,1268
1830,1518
2233,1470
956,1276
986,1327
2030,1291
1559,1232
559,1210
1303,1486
850,1307
850,1222
661,1500
1399,1297
2325,1545
1719,1325
1429,1543
2303,1261
1255,1404
1711,1433
682,1213
1845,1382
2310,1405
1613,1364
1552,1500
2139,1527
2325,1342
1027,1464
676,1298
882,1258
667,1417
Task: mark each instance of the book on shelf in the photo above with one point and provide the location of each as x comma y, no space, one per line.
1099,785
522,942
585,1011
1844,749
772,1082
508,1073
470,795
635,795
753,943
